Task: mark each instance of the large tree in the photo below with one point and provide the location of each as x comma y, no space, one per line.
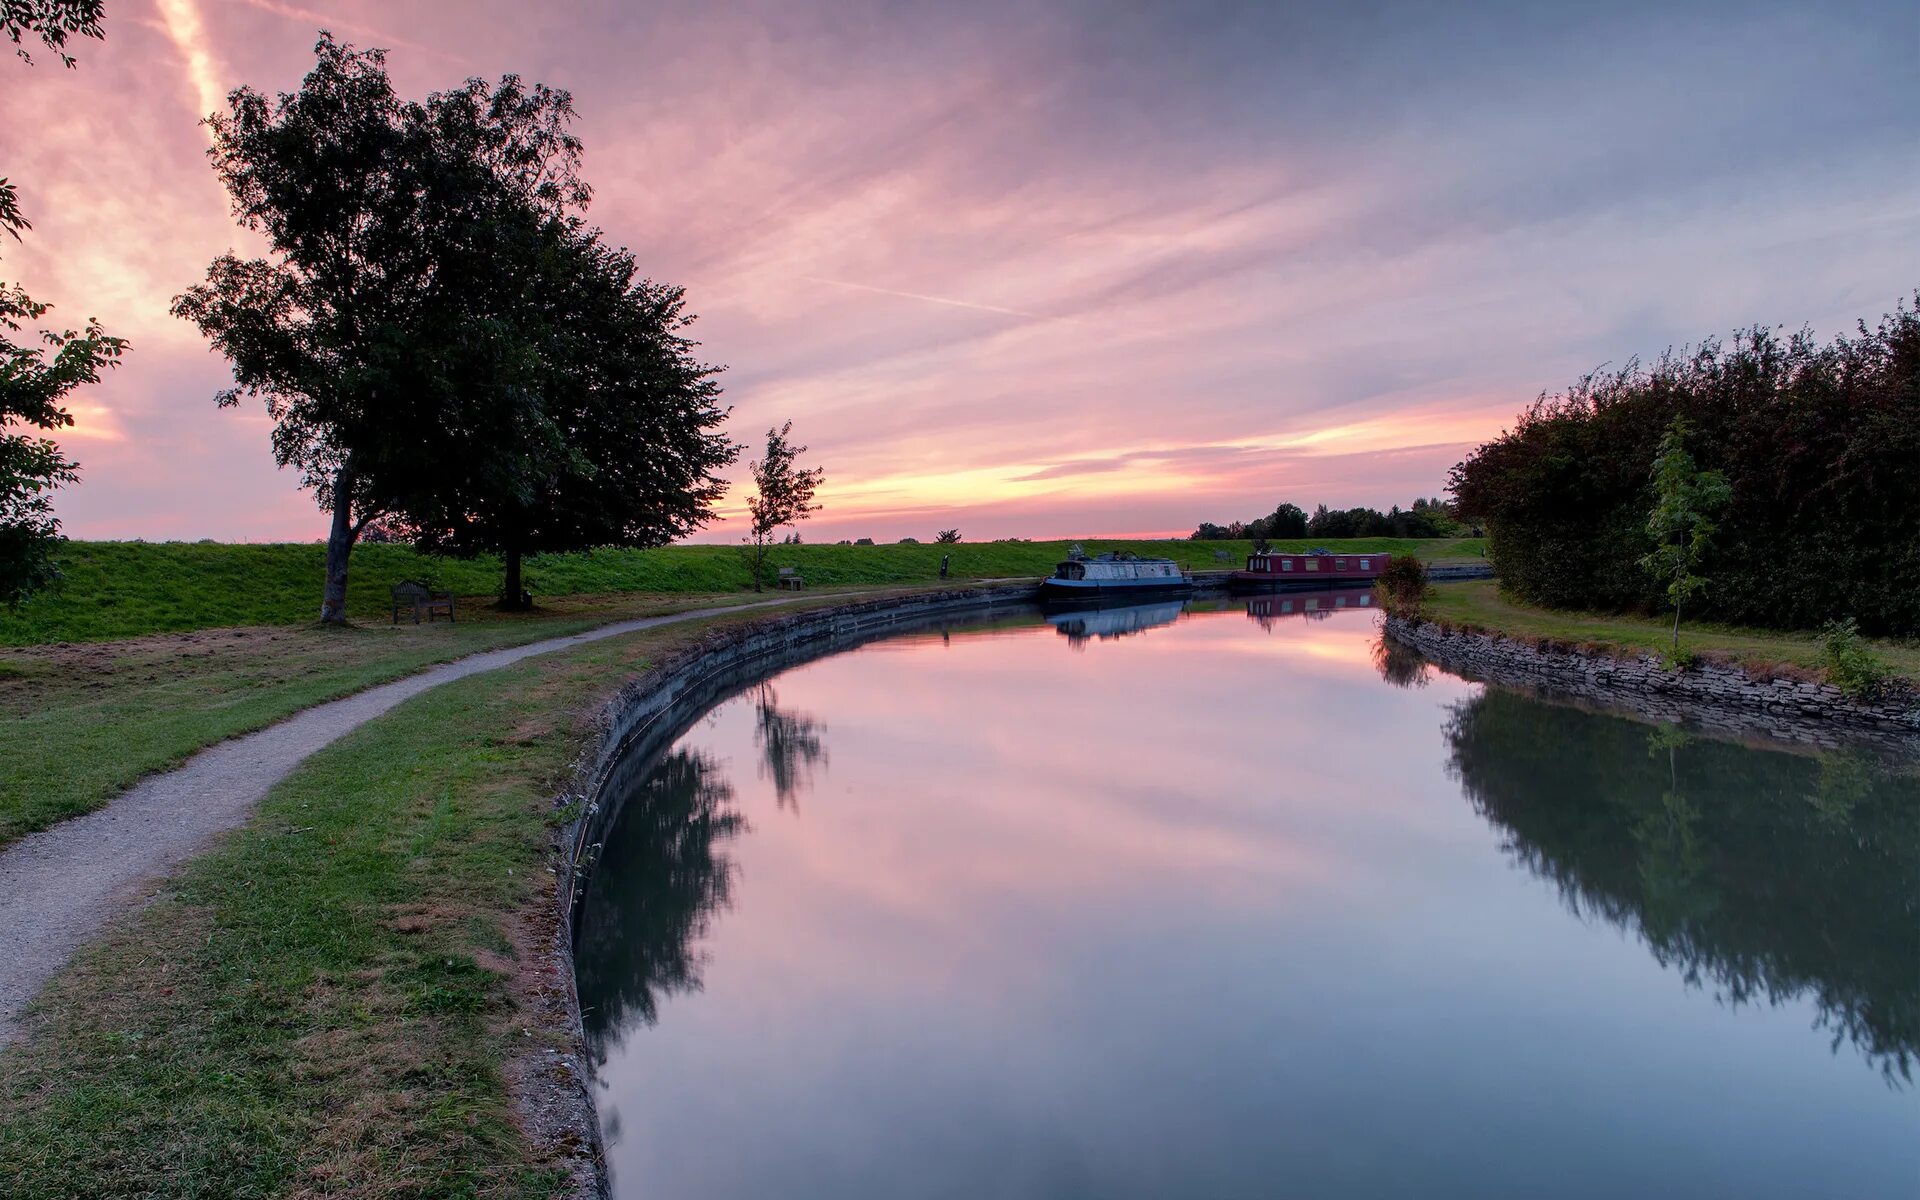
35,379
372,312
618,419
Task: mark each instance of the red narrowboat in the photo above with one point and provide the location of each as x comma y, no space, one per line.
1315,568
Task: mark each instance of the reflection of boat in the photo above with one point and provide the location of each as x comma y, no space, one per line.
1083,624
1113,575
1266,609
1315,568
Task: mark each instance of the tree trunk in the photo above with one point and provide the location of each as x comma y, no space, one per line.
333,603
759,562
512,592
1676,629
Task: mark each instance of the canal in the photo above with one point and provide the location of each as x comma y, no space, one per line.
1226,901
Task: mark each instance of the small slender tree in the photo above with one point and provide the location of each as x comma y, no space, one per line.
783,494
1687,502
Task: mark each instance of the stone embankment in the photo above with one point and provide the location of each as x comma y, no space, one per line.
1711,695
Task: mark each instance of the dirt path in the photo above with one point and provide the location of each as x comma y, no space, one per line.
58,886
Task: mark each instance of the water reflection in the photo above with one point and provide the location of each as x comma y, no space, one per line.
1313,606
1082,625
1163,920
1761,875
791,745
664,879
1400,664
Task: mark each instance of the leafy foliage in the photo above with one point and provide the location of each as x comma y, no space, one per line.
51,21
1850,662
783,493
1819,446
947,537
1403,586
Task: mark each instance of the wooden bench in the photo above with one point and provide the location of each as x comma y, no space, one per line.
789,580
410,594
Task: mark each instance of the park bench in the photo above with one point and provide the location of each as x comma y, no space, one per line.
789,580
420,598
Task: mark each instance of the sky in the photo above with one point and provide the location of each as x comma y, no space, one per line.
1045,269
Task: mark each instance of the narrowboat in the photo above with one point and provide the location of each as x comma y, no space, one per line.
1113,576
1315,568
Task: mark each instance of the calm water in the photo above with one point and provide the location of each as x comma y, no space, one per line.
1234,905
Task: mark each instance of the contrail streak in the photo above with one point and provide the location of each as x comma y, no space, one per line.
992,308
182,20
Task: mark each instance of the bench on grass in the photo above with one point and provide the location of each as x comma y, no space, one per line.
789,580
420,598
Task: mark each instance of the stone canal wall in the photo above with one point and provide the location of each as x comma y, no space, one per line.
1712,695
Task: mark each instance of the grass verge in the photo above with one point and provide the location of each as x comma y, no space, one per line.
129,589
1477,605
332,1001
85,722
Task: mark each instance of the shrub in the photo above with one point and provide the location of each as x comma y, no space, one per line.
1403,587
1851,663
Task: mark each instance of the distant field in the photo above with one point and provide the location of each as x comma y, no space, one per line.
126,589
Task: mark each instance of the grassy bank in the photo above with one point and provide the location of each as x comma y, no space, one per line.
84,722
127,589
1478,604
334,1000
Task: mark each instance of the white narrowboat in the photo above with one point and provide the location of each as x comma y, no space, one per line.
1115,575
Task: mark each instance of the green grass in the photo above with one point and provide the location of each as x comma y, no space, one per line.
84,722
1479,604
127,589
332,1001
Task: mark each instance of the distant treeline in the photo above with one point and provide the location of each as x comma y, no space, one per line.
1426,519
1819,443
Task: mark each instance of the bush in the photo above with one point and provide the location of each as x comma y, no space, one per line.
1403,587
1851,663
1819,443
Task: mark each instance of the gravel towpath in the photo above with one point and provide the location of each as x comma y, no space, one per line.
58,886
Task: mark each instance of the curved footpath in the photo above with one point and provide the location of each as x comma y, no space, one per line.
59,886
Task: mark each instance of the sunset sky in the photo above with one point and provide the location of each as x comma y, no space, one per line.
1046,269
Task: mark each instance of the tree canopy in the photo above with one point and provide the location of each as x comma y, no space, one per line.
439,339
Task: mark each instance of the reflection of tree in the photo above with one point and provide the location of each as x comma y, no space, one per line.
659,881
1761,874
790,746
1398,663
